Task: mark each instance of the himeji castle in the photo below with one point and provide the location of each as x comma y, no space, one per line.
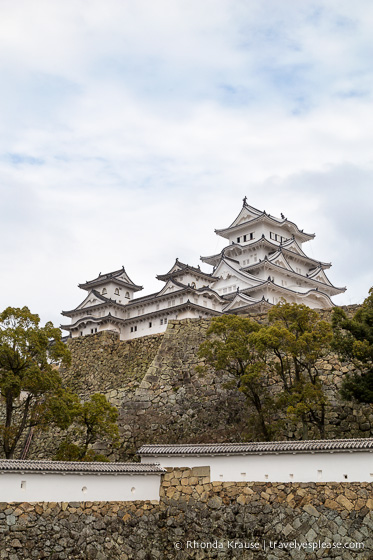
262,263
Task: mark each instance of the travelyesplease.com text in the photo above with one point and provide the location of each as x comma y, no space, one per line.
268,545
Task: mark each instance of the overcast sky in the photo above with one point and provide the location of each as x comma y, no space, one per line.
131,129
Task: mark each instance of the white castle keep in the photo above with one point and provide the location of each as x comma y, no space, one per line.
262,263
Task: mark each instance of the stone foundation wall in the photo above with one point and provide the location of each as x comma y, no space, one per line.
199,519
162,399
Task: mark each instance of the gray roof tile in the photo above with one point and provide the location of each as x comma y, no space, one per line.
70,467
330,445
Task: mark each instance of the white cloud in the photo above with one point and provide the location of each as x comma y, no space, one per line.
133,129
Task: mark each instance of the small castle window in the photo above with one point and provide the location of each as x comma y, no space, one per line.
150,324
104,291
238,239
127,295
165,321
116,292
161,321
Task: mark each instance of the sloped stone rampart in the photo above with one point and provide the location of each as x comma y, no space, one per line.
102,361
199,519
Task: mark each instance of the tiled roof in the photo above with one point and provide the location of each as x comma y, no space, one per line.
184,268
260,447
102,278
70,467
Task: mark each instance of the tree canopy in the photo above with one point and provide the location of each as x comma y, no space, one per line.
29,380
298,339
231,347
286,349
93,420
353,339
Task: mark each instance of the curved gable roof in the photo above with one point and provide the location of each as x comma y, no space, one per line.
119,277
249,215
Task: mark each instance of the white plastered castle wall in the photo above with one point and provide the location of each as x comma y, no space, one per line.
54,487
284,467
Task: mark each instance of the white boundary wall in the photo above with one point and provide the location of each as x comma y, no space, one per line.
56,487
346,466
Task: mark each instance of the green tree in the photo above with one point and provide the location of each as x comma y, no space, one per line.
353,339
29,380
288,350
297,339
94,420
231,347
